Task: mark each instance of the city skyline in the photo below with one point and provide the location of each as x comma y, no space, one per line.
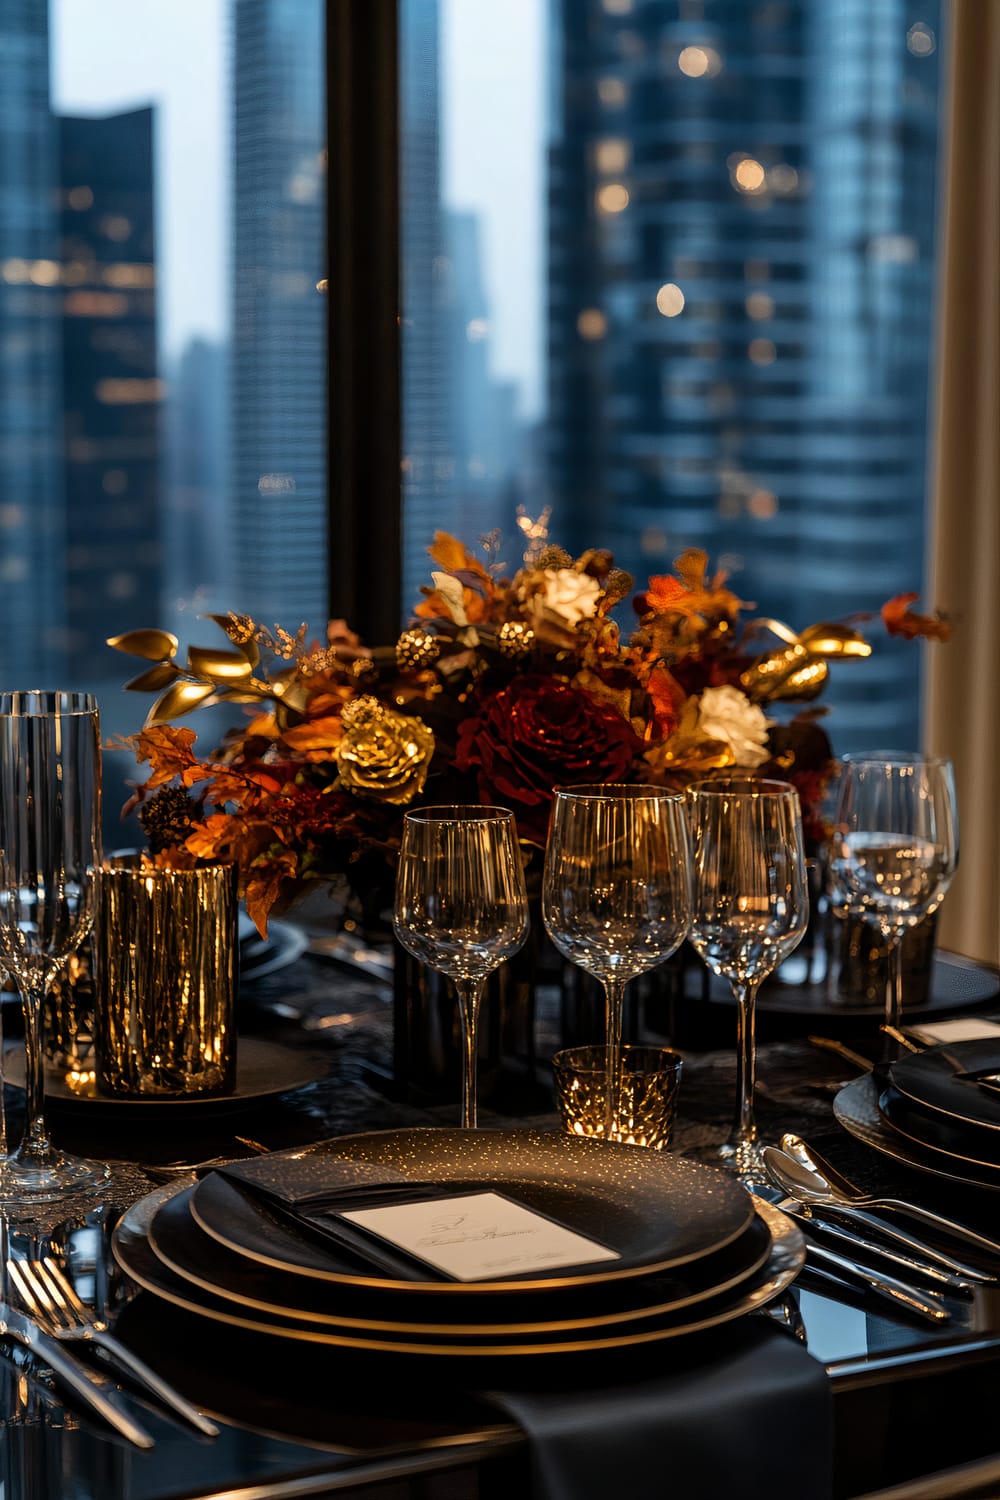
108,56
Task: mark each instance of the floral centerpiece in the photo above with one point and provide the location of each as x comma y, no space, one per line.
502,688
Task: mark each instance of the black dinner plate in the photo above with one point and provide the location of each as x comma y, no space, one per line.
656,1210
184,1248
263,1070
959,1144
136,1256
856,1109
942,1079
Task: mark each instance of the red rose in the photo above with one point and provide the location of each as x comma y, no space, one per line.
537,734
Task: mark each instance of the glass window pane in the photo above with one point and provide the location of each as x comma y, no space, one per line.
162,334
669,267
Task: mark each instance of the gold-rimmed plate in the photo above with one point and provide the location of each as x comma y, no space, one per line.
899,1119
137,1258
656,1211
943,1079
856,1109
187,1251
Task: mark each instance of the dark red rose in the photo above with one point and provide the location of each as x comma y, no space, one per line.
536,734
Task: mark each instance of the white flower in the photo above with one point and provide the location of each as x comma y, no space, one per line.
571,595
727,715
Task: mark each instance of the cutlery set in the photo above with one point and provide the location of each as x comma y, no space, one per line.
53,1318
849,1234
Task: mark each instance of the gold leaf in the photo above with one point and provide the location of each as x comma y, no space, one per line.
834,640
179,699
219,666
154,680
237,633
154,645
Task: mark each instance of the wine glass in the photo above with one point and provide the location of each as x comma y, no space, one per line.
461,907
49,851
751,909
894,848
616,894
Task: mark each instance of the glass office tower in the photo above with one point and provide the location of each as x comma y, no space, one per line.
278,484
31,499
741,261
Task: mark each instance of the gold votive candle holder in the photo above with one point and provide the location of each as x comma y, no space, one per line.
165,949
647,1108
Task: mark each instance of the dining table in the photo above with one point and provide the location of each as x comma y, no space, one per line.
914,1404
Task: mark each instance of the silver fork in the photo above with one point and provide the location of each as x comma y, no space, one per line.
50,1297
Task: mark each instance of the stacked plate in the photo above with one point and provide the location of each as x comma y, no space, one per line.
677,1247
938,1110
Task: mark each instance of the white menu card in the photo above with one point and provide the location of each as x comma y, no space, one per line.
480,1236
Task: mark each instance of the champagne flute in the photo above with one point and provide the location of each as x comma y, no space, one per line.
616,895
462,907
894,848
49,851
751,909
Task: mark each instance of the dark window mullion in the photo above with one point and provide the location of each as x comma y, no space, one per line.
363,274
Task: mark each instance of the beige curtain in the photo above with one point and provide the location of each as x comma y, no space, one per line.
963,699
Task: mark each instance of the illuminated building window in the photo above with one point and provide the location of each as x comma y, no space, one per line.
611,155
592,323
762,352
613,198
699,62
612,92
760,306
670,300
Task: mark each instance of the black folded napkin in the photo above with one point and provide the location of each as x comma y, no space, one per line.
744,1411
317,1212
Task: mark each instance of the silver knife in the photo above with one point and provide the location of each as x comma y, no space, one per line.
848,1243
899,1236
924,1304
14,1325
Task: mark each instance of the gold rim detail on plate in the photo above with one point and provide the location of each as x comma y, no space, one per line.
855,1107
637,1314
132,1251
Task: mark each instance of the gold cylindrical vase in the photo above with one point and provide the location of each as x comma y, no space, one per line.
165,944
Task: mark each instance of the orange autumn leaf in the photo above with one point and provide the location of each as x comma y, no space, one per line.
316,738
665,592
667,699
454,557
168,751
901,619
264,886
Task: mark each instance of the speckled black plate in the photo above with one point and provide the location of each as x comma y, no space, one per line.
185,1249
656,1210
137,1258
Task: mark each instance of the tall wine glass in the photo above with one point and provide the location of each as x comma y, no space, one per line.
616,894
895,848
462,907
751,908
49,851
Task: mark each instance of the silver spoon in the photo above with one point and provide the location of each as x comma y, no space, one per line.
819,1182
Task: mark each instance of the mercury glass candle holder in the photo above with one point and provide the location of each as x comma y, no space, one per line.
650,1081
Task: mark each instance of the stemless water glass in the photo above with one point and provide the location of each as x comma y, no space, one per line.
461,907
49,850
751,908
616,894
894,848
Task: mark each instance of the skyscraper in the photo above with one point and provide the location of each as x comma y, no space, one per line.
111,390
741,270
31,501
278,470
